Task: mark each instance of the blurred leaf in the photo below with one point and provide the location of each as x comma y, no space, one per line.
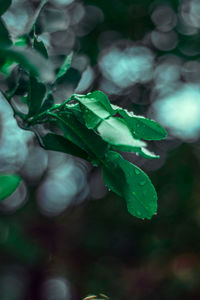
130,182
2,62
31,61
36,95
115,132
35,17
40,47
17,82
52,141
8,184
17,244
65,66
5,40
21,41
4,5
142,127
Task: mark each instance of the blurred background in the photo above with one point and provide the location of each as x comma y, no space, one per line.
62,234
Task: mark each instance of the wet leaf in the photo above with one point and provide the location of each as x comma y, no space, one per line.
95,107
101,98
142,127
115,132
93,111
130,182
81,136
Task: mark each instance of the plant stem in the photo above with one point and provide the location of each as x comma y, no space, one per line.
33,120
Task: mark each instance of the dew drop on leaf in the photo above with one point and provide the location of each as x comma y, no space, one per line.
137,172
142,183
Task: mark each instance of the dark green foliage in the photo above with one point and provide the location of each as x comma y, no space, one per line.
55,142
36,95
47,103
143,128
5,40
132,183
22,57
80,135
4,5
91,127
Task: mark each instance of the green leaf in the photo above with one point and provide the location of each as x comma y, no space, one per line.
75,109
4,5
52,141
115,132
40,47
93,112
95,107
142,127
81,136
100,97
36,95
130,182
5,40
65,66
8,184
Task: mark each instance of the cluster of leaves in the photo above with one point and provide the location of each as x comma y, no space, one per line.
87,126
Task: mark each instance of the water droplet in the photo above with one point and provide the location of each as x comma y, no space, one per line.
134,194
138,213
137,172
137,125
142,183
